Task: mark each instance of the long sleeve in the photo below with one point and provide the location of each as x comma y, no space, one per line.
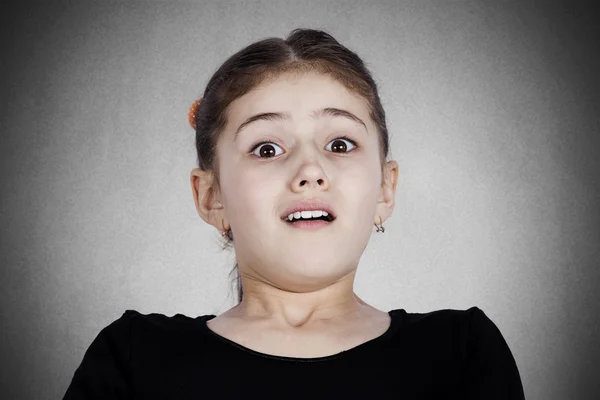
104,371
491,372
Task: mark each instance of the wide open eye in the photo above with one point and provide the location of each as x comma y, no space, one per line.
339,145
266,150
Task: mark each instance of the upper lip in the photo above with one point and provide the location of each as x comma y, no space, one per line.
308,205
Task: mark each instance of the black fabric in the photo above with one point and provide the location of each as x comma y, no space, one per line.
444,354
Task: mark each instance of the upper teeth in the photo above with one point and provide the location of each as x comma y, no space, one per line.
307,214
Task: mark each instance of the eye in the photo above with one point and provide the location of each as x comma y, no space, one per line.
340,147
265,149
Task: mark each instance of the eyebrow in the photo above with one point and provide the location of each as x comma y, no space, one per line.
328,111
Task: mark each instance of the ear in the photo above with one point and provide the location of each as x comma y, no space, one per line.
208,203
386,200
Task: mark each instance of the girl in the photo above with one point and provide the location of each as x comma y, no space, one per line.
292,151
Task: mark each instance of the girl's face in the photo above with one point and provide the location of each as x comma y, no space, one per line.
304,158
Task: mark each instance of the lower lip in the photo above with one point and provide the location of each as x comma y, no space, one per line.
309,225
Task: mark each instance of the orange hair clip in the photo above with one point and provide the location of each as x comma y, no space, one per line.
192,113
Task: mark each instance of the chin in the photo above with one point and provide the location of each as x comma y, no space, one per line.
315,267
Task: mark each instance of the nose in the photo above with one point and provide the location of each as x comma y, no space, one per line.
311,176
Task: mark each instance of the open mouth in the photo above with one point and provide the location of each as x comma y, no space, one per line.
325,218
312,221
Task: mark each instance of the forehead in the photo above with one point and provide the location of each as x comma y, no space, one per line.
298,94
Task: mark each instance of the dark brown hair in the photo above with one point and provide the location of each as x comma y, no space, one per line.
304,50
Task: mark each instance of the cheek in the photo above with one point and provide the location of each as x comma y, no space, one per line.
362,179
250,194
360,188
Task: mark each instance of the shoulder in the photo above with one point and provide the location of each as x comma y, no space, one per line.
441,315
469,332
132,339
465,345
465,321
471,325
133,321
472,339
134,335
135,327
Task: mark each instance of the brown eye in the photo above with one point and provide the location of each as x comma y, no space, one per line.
266,150
339,145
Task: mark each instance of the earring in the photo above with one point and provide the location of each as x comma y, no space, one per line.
225,232
379,227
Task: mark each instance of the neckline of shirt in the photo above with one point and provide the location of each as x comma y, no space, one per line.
395,323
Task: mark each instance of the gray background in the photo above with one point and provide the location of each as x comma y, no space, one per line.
493,114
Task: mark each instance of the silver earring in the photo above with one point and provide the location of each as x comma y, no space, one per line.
379,227
226,232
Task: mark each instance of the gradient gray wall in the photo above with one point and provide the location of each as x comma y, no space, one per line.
493,114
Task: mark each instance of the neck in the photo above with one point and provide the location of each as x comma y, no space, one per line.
331,304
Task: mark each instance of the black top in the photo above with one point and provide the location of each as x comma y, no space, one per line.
444,354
